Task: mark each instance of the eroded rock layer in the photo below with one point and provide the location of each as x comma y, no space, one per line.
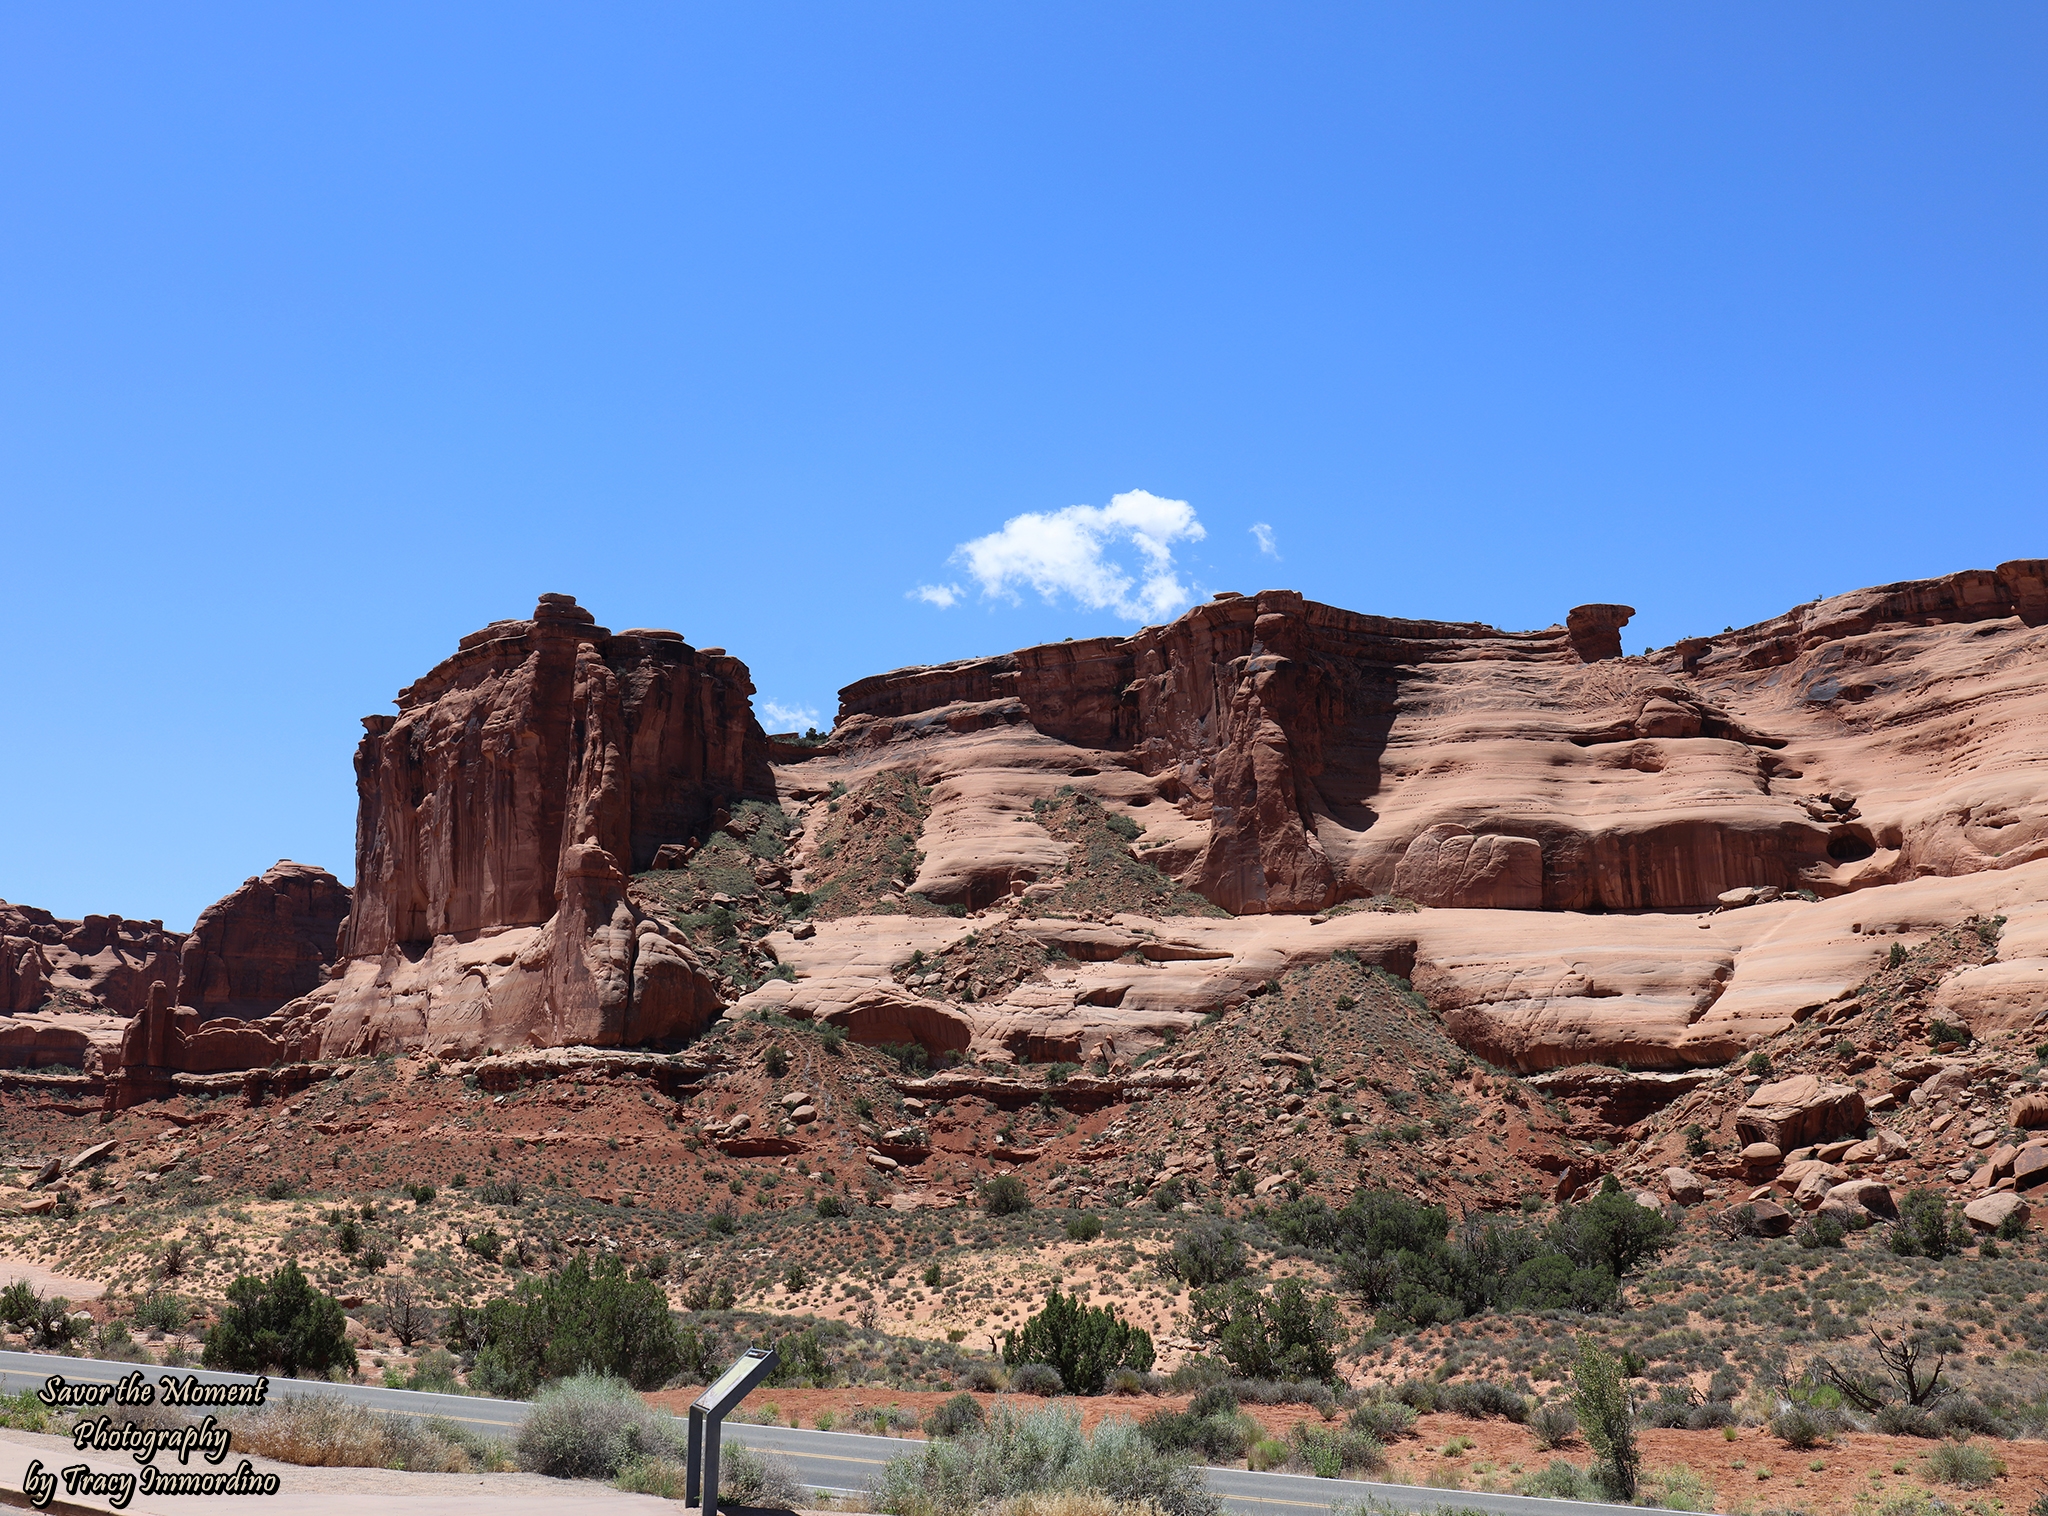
1535,831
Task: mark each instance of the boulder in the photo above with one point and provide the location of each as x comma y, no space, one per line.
1772,1219
1988,1212
1803,1109
2029,1111
2030,1168
1760,1158
1863,1194
1684,1186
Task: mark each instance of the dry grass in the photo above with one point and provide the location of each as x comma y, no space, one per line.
319,1432
1068,1503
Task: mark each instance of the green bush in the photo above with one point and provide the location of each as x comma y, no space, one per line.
579,1320
1040,1379
1084,1343
19,1304
1083,1227
1208,1253
1798,1428
1281,1335
1821,1231
1561,1481
1600,1398
1928,1227
954,1416
1005,1195
1963,1464
830,1205
1398,1255
591,1427
161,1311
1384,1420
281,1323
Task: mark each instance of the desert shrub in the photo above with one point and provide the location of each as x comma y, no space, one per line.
435,1374
1961,1415
1821,1231
1005,1195
279,1189
954,1415
1554,1425
53,1326
1168,1196
1208,1253
882,1420
987,1377
1480,1398
1084,1343
1561,1481
1798,1428
1679,1489
319,1431
1084,1227
1900,1419
1282,1334
1329,1453
1384,1420
113,1341
830,1205
1963,1464
1928,1228
161,1311
1600,1399
500,1192
19,1304
1035,1453
579,1320
1400,1257
22,1412
592,1426
281,1323
1037,1379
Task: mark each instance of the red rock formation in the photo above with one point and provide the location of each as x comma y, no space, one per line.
537,736
1331,755
500,813
102,964
264,943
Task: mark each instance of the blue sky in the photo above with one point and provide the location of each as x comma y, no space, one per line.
331,332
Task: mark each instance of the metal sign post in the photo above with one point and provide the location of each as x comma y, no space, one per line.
707,1414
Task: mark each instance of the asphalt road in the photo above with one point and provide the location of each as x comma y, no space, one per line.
823,1460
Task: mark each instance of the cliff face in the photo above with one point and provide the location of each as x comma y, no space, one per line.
538,736
269,941
500,813
1329,755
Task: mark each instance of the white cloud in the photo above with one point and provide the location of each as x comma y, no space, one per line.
778,717
944,596
1264,534
1066,552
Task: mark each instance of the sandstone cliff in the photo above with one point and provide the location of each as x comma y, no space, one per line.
1534,828
499,815
264,943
